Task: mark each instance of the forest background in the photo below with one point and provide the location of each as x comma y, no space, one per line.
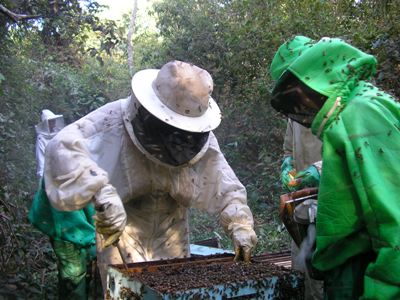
61,55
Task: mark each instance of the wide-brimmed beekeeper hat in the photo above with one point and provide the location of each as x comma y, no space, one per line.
178,94
44,126
48,115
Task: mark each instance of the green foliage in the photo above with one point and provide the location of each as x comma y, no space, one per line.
70,61
63,27
31,81
27,263
62,89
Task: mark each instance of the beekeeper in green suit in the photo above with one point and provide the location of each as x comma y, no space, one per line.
358,219
72,234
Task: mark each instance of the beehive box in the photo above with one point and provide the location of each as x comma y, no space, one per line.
210,277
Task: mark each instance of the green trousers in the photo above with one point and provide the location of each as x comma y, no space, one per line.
74,269
346,282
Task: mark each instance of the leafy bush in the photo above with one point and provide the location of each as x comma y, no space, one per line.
66,66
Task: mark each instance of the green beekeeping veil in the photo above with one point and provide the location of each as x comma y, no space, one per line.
330,67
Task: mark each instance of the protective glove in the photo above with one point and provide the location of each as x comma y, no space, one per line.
110,218
244,240
307,178
287,174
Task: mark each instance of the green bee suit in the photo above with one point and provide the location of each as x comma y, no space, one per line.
76,227
72,235
358,220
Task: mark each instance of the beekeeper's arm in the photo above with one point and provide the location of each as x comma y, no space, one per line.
221,192
309,177
40,147
73,179
291,178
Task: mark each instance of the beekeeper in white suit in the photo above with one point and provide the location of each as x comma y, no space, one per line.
144,161
48,127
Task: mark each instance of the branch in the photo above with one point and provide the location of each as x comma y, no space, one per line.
16,17
129,37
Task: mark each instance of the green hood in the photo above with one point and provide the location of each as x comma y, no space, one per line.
333,68
288,53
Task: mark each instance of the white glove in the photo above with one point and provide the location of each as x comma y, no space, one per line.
244,241
110,219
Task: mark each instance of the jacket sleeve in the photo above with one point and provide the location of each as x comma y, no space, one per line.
288,140
40,147
71,176
375,139
220,191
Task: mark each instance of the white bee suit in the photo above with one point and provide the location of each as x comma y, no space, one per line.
44,134
100,150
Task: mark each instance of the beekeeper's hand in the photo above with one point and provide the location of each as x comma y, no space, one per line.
244,241
287,174
110,218
308,177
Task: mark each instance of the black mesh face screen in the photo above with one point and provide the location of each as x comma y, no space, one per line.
168,144
296,100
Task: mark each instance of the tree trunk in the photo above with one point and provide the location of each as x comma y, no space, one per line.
129,37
